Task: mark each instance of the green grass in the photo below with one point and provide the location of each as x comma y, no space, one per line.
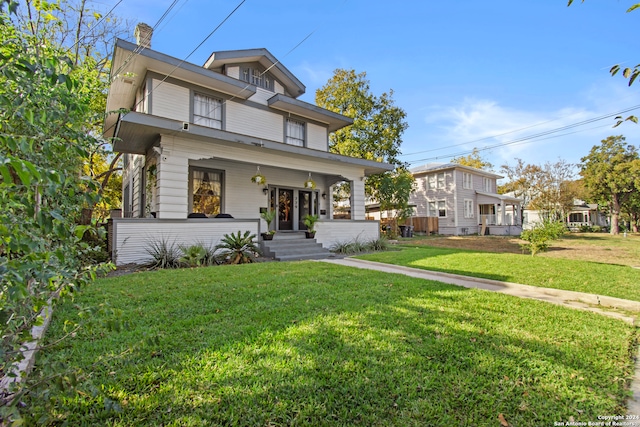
574,275
317,344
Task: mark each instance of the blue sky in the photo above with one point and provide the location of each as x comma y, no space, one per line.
468,73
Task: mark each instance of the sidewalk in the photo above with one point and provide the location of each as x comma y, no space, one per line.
600,304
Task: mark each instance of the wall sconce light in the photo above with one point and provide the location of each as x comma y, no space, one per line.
265,190
324,196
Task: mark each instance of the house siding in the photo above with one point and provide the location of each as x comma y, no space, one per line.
134,237
170,101
261,124
338,232
317,137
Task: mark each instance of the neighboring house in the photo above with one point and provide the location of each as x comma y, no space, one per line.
582,214
464,199
195,136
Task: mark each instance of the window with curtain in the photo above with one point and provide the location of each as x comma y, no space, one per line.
206,191
295,133
207,111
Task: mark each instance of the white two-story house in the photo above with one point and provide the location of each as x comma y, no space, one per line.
208,148
465,200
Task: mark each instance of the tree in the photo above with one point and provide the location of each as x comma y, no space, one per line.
376,132
554,195
87,37
523,181
611,173
473,160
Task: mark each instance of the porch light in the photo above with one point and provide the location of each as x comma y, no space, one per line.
265,190
309,183
324,196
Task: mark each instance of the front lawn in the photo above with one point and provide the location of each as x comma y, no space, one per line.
569,274
309,343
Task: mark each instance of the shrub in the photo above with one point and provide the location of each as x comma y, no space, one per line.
356,247
198,255
164,254
541,235
238,248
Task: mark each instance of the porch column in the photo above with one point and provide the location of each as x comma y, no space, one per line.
357,200
173,186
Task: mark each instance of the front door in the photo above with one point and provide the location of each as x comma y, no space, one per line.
285,209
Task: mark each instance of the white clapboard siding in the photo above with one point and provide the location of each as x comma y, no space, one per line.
278,88
261,96
170,101
233,72
357,200
330,233
317,137
254,122
134,237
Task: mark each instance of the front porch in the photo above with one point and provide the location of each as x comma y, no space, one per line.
131,238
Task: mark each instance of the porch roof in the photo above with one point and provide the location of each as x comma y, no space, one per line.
491,198
136,133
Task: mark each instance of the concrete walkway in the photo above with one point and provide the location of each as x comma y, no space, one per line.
618,308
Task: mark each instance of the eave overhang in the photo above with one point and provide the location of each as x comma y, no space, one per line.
491,198
334,121
264,58
137,133
131,63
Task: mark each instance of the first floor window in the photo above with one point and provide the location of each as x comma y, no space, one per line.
206,191
442,208
468,208
577,217
295,133
207,111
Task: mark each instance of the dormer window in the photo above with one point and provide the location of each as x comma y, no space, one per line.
257,76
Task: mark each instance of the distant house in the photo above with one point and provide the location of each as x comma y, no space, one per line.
582,214
465,200
207,148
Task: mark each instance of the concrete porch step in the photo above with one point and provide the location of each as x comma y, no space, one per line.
292,247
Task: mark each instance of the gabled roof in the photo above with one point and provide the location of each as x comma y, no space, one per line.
436,167
264,58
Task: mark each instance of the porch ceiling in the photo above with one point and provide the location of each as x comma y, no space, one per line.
136,133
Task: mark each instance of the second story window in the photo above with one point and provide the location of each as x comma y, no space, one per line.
295,133
207,111
466,180
486,185
441,180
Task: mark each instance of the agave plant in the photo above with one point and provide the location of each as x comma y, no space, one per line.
198,255
238,248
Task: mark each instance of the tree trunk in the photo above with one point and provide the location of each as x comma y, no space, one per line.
615,215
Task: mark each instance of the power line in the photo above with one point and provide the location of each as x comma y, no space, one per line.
531,137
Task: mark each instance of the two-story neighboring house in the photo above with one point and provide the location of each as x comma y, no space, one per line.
198,139
465,200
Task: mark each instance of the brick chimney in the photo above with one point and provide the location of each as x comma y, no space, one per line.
143,34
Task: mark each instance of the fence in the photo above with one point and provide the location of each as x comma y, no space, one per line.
421,224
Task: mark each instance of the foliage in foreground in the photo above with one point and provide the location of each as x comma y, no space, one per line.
44,104
540,236
239,248
317,344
